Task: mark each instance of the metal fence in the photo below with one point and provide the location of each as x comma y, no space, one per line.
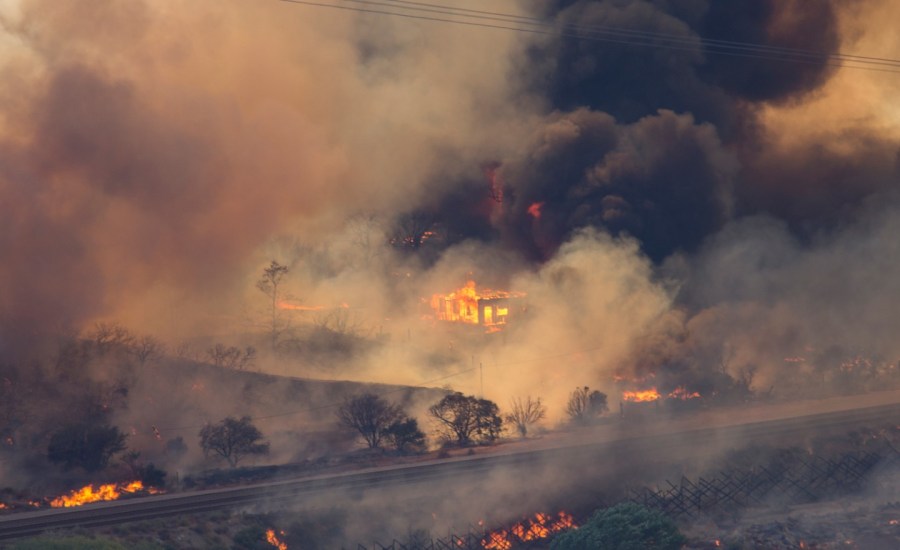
805,479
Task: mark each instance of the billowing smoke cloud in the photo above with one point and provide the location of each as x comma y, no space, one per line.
163,153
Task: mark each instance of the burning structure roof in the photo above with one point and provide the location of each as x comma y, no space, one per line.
488,308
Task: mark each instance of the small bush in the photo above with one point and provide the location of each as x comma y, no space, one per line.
623,527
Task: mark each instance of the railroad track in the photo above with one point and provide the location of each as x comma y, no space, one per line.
667,441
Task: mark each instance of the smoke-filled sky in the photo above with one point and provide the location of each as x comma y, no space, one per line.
155,155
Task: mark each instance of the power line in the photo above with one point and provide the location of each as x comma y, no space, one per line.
510,22
665,36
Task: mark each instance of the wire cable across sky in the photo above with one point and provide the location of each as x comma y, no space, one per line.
440,13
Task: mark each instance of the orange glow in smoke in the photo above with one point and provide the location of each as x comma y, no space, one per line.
681,393
272,539
540,527
535,210
641,396
109,491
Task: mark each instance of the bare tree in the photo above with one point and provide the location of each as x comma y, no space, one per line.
367,236
526,412
232,357
268,284
147,349
108,337
370,415
411,230
232,439
585,405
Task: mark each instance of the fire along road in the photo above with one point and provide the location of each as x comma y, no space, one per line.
671,440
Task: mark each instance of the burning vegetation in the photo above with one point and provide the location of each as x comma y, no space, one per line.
273,539
488,308
538,527
109,491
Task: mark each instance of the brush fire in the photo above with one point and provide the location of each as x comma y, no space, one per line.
273,539
488,308
539,527
109,491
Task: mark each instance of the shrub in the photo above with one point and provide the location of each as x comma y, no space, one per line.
626,526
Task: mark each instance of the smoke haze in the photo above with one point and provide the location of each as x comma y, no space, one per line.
663,209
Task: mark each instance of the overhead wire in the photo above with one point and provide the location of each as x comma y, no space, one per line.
501,21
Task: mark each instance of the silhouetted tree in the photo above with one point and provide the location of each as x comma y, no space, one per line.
85,446
585,405
147,349
467,418
369,415
111,337
232,439
232,357
405,435
268,284
526,412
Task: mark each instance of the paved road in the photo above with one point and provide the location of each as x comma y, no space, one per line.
616,443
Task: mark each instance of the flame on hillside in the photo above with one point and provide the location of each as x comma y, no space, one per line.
540,527
641,396
272,539
109,491
489,308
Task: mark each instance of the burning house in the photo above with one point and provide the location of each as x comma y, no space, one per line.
488,308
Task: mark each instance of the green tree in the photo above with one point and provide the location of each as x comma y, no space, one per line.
369,415
85,446
268,284
625,526
467,418
232,439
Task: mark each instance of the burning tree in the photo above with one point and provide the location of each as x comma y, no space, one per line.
232,439
585,405
466,418
369,415
526,412
268,284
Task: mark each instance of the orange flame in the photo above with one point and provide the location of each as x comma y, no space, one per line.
466,305
539,527
272,539
109,491
681,393
641,396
